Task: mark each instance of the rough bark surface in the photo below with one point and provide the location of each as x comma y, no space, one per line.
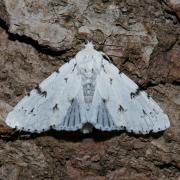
141,36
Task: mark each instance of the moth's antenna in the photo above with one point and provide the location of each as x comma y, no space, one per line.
89,45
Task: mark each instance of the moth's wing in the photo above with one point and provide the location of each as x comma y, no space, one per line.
58,108
113,99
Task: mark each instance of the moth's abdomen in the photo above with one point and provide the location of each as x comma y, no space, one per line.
88,84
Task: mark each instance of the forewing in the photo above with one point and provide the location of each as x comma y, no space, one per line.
128,107
54,105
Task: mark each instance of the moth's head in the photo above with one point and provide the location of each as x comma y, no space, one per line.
88,58
88,53
89,45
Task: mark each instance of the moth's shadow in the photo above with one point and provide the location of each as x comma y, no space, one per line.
77,136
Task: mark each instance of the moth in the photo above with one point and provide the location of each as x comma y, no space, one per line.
85,93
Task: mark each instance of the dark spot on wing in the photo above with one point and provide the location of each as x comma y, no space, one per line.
40,92
28,94
32,110
98,116
57,70
103,68
104,100
74,67
123,127
132,95
111,80
79,115
155,111
44,93
136,93
52,126
151,113
144,112
55,107
105,57
72,100
66,79
121,108
109,59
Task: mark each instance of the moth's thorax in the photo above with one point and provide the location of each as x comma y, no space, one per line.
88,60
88,65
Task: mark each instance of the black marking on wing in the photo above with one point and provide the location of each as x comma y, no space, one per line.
111,80
38,89
66,79
104,100
120,72
109,59
104,119
79,116
40,92
144,112
74,116
136,93
105,57
55,107
70,114
71,101
98,116
103,68
44,93
74,67
121,109
72,119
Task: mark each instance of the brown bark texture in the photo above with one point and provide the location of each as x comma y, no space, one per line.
143,39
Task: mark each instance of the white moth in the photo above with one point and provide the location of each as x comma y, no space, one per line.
88,91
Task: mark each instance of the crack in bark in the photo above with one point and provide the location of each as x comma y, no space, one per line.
169,11
30,41
167,166
150,84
